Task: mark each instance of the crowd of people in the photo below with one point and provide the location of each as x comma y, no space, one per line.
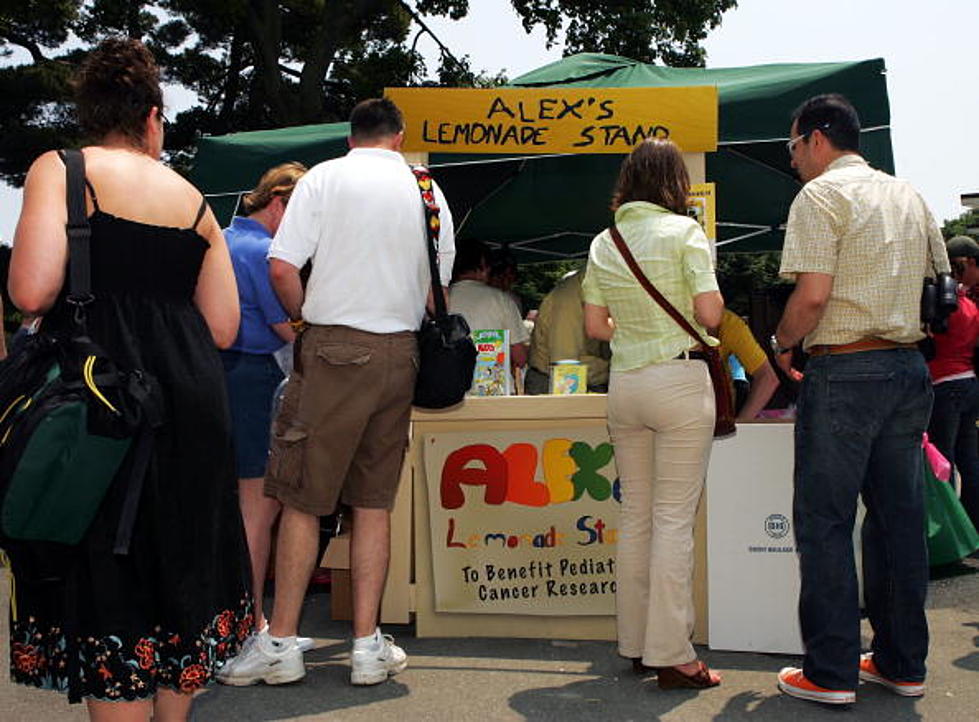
185,606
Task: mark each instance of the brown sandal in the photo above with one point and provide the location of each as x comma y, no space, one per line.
673,678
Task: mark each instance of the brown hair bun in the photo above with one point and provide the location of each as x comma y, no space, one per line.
116,87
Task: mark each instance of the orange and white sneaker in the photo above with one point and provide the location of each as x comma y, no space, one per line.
869,673
793,682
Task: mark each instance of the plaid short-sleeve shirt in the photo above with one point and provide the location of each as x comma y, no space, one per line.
874,234
674,253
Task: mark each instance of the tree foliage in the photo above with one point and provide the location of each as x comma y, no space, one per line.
960,226
256,64
743,274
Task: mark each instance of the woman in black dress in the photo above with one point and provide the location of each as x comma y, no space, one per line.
154,625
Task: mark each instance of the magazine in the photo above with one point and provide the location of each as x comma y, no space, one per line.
492,374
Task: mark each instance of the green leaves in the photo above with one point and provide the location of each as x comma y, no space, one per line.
668,31
257,64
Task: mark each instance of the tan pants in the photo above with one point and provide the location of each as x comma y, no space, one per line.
661,421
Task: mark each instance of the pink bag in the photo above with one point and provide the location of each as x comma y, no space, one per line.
939,464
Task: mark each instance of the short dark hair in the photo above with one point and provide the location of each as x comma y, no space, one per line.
116,87
654,172
470,256
832,115
375,118
501,261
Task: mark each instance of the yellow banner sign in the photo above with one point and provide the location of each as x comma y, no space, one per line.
555,120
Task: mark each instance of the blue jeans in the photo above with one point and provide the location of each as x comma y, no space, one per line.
859,427
953,431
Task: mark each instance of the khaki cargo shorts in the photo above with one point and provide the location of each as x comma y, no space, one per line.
342,429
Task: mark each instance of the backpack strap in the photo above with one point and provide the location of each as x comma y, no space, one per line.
138,465
79,233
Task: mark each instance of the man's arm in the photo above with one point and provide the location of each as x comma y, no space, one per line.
803,312
764,381
288,286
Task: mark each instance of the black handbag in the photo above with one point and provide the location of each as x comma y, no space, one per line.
447,354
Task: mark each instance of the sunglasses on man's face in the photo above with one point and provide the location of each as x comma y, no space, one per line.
793,142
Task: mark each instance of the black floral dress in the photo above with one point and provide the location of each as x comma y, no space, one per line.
110,627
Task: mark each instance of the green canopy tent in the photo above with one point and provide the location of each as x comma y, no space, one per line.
549,207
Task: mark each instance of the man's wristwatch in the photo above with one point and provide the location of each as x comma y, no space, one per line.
776,348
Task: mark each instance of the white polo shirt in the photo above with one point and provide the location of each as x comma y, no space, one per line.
361,221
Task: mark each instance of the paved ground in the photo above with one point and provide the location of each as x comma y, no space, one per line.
514,679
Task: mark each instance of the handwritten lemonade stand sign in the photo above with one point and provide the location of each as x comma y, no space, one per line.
523,522
556,120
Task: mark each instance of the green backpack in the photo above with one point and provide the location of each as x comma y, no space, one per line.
71,422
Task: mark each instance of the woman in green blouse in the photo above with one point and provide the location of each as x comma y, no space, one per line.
660,405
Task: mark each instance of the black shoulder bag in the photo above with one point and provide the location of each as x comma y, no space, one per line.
447,355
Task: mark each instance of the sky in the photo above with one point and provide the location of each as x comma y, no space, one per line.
928,48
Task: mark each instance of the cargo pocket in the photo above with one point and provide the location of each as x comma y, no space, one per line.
286,458
344,354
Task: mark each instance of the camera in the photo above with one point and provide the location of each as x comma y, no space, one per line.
939,299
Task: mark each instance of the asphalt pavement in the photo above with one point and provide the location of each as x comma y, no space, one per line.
459,680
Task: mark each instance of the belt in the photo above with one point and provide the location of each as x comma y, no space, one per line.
864,344
695,354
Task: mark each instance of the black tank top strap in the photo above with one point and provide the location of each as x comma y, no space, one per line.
200,213
91,190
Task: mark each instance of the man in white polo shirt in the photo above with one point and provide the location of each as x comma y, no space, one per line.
482,305
342,429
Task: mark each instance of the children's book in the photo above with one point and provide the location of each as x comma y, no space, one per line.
492,374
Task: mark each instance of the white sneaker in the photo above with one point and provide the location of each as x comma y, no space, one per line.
260,661
304,643
373,663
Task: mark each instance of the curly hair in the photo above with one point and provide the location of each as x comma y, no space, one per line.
654,172
116,87
277,181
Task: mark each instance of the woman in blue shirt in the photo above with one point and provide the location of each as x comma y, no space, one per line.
251,371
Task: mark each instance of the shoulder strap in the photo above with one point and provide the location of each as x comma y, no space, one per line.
200,213
78,229
432,227
630,261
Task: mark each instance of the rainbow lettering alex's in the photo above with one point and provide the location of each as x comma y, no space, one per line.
571,468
